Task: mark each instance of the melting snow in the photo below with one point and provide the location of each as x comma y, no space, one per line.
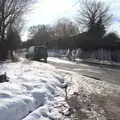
33,92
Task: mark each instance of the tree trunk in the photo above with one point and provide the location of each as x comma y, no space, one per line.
11,54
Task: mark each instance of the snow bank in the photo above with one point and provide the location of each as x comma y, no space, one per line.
32,92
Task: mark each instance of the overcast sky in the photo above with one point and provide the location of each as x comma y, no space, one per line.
48,11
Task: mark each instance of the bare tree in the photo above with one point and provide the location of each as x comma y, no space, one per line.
65,27
10,10
41,34
13,40
33,30
93,12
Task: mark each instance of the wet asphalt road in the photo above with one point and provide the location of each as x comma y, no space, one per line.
97,72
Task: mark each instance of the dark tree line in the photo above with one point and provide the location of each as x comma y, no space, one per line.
10,12
56,36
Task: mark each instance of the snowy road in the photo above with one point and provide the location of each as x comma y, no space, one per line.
91,92
99,73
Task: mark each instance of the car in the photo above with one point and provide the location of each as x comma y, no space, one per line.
37,53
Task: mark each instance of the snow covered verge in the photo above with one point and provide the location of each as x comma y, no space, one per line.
34,92
92,99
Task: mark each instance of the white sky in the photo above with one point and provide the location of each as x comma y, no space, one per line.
48,11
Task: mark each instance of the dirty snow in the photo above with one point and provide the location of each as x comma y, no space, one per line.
33,92
92,99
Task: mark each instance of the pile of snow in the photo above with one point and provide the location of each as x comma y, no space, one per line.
33,92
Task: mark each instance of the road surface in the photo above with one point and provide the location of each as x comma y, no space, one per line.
102,73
